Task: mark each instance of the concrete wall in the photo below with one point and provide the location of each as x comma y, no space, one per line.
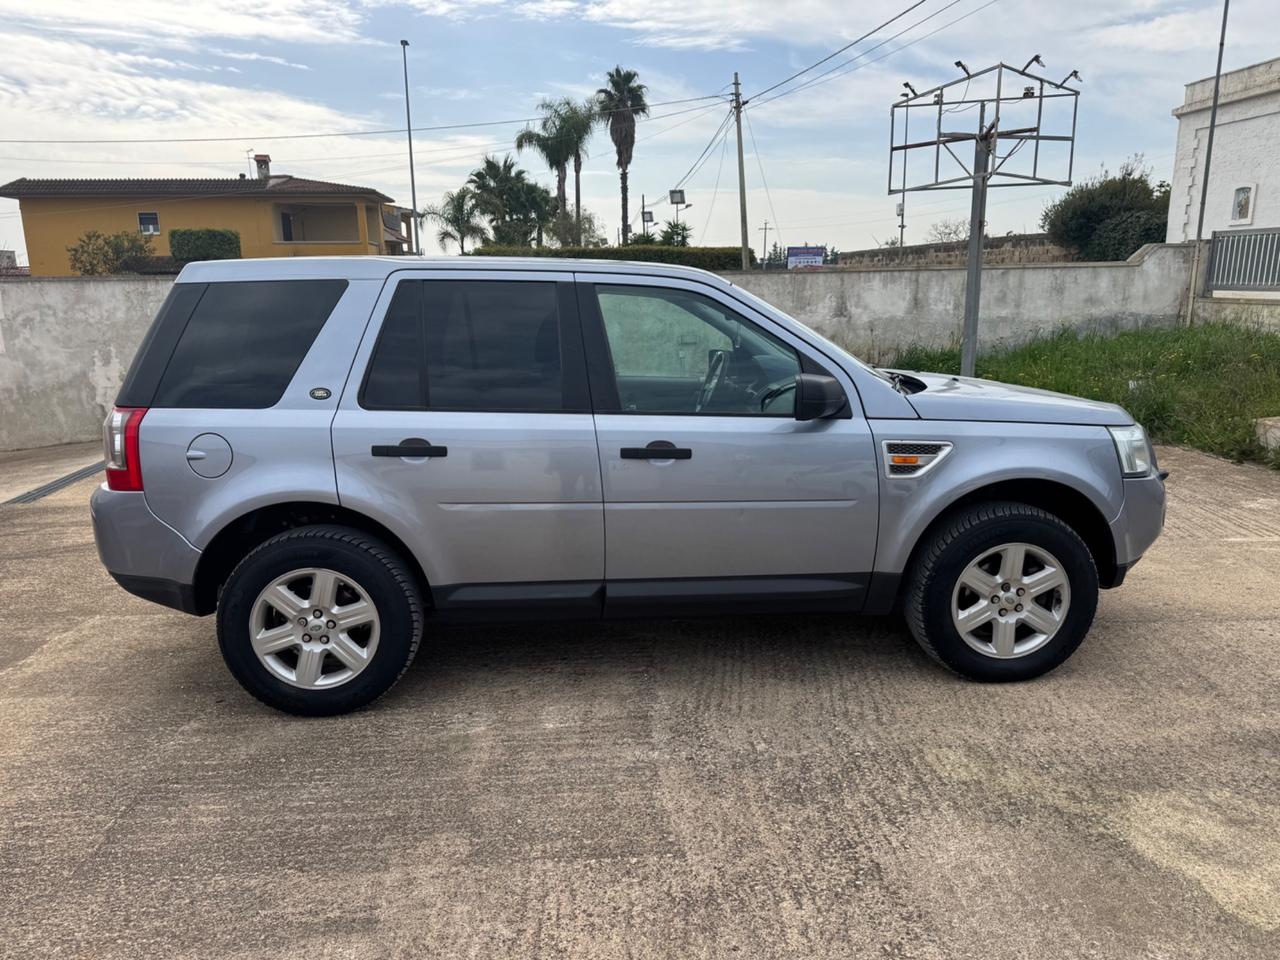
874,313
65,346
66,343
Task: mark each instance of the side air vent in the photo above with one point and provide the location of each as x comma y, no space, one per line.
912,458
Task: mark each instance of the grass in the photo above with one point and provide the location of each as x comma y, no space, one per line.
1200,386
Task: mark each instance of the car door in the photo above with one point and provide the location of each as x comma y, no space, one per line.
466,429
751,506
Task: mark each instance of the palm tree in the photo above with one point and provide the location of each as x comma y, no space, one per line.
458,215
495,182
620,101
577,122
549,141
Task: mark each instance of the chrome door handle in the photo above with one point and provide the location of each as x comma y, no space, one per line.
197,455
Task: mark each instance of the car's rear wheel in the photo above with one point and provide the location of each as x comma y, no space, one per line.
1002,591
320,620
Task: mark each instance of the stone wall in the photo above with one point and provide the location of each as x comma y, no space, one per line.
996,251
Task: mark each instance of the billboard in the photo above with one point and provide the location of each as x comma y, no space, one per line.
805,257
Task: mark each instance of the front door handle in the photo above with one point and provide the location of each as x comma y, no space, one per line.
412,447
657,450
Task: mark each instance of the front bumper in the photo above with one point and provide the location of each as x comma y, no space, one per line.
142,553
1139,521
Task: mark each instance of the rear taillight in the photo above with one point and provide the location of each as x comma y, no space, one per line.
120,448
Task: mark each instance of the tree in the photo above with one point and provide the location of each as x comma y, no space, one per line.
1109,217
620,101
499,186
577,122
97,254
674,234
458,215
566,230
947,231
550,142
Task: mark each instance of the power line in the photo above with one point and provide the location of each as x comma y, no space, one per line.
711,144
715,191
348,133
896,16
760,165
828,75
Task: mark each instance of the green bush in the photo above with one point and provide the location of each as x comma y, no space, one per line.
204,244
1201,386
1109,217
97,254
705,258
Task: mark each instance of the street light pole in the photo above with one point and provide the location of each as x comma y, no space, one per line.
408,129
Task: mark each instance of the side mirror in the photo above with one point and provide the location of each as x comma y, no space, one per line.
818,397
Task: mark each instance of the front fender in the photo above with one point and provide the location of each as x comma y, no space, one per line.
1082,458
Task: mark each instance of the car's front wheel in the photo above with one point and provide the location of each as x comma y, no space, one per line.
1002,591
319,620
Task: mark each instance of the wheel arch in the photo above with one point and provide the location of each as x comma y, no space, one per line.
1065,502
239,536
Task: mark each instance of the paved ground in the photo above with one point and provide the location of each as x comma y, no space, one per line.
729,789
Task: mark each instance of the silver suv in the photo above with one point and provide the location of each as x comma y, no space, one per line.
334,453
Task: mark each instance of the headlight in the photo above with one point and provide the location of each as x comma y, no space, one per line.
1133,449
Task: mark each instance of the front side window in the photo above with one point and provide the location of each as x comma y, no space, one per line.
469,345
244,342
149,223
679,352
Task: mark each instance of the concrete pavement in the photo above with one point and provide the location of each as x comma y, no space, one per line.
730,788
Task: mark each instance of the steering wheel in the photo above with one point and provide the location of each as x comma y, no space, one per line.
715,370
776,391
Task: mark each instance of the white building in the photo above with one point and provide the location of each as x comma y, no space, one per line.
1244,180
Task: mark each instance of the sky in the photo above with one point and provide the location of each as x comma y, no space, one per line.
255,74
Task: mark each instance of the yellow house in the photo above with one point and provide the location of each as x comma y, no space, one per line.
276,216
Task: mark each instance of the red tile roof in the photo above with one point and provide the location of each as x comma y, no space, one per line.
193,188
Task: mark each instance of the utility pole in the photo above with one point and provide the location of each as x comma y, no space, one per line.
982,145
742,176
408,129
764,257
902,223
1208,159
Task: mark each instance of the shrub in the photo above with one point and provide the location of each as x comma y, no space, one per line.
204,244
97,254
1109,217
705,258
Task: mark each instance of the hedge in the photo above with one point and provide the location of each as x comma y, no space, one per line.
706,258
204,244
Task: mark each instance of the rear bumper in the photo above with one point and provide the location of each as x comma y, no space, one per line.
142,553
1139,521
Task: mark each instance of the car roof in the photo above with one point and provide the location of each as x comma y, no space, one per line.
379,268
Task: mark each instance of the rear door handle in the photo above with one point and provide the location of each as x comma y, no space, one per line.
412,447
658,450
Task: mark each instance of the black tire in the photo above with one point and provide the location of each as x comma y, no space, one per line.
380,571
962,538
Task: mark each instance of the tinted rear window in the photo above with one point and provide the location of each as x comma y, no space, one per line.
492,345
244,342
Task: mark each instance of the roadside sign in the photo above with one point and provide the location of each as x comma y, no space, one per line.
805,257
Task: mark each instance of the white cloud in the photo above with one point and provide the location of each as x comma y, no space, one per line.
259,57
169,22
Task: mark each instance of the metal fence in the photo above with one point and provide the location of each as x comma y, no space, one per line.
1244,260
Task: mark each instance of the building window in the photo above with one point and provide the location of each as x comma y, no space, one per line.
149,223
1242,205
